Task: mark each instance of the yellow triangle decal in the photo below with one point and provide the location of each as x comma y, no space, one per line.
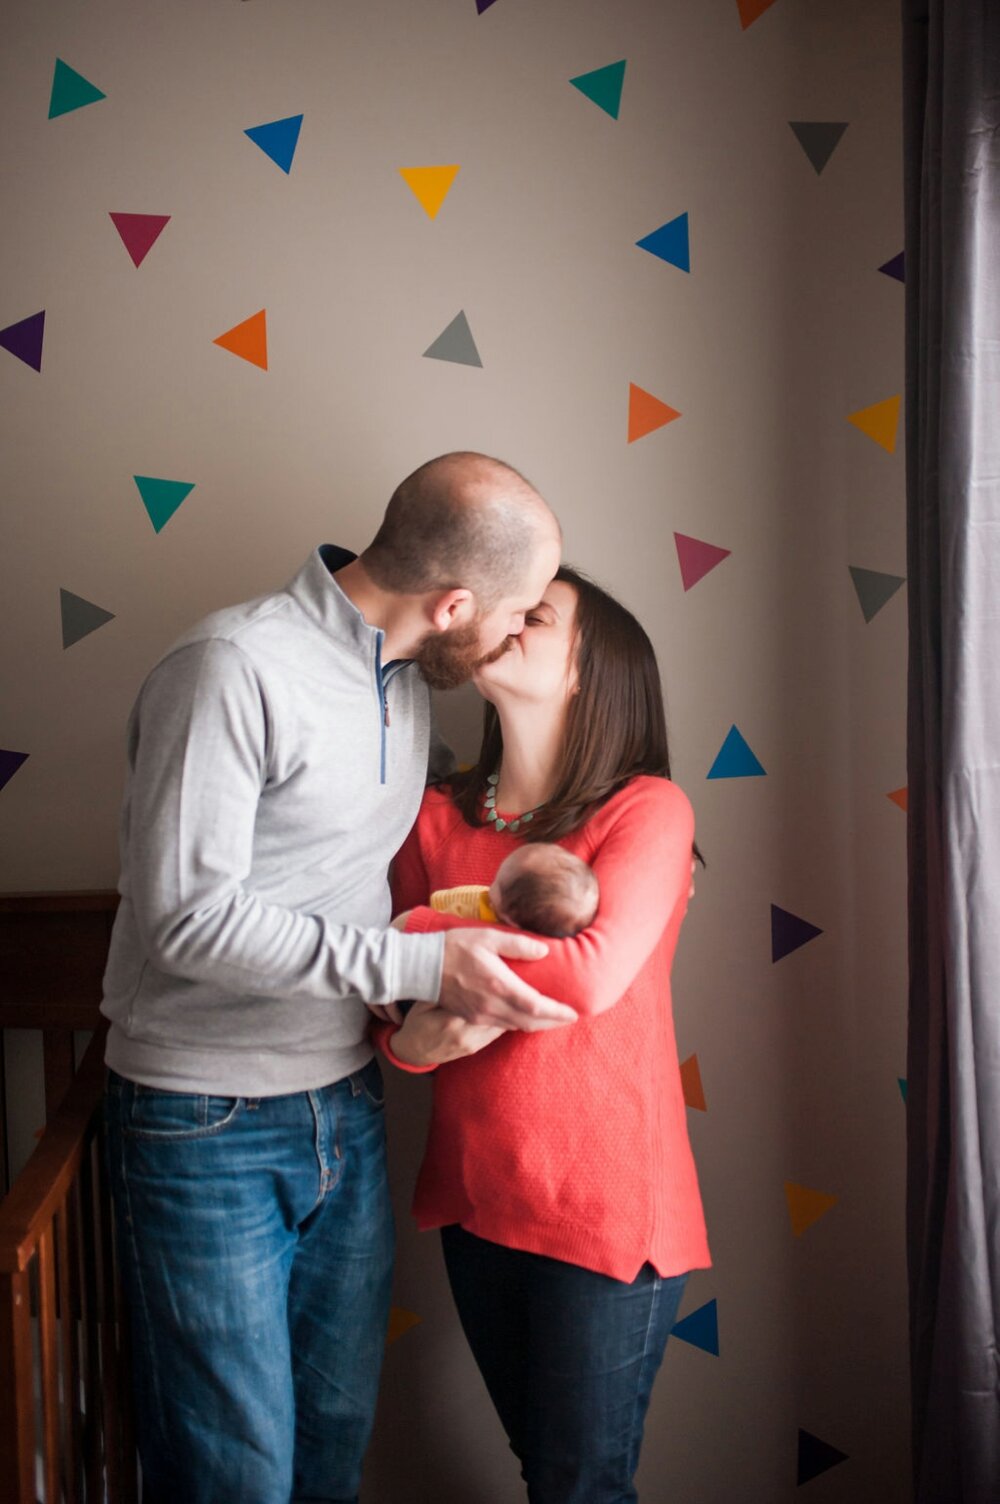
879,422
429,186
806,1206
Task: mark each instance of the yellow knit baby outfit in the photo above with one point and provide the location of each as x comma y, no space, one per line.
469,902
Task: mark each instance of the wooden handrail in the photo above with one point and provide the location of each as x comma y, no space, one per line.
44,1181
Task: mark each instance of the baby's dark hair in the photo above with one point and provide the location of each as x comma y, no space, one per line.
552,893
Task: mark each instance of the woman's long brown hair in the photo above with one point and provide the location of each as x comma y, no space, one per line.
615,727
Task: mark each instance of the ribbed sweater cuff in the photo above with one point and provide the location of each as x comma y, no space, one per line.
418,960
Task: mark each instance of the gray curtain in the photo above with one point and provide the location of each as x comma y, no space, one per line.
951,62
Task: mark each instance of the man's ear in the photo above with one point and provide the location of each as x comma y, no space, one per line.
452,609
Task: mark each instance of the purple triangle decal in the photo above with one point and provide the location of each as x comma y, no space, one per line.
9,764
896,267
24,339
788,932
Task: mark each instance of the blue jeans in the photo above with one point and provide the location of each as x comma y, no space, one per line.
569,1358
256,1241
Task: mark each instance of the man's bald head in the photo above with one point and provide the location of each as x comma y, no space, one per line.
461,520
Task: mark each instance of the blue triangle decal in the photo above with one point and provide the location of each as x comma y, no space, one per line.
671,242
701,1328
735,760
278,139
788,932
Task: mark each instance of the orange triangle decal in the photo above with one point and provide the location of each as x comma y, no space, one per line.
247,340
805,1206
694,1092
429,186
899,796
400,1321
879,422
646,413
752,10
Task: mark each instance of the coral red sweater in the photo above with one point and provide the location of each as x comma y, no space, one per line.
572,1142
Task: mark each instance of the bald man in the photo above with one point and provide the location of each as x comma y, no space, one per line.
276,759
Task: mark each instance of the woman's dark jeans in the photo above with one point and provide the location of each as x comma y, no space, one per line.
569,1358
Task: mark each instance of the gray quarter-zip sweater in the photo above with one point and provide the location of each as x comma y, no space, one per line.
275,768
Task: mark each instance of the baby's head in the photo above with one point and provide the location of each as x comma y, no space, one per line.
542,887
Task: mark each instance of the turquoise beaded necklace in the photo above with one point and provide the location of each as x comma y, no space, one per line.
490,805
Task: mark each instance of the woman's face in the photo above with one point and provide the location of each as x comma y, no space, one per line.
540,665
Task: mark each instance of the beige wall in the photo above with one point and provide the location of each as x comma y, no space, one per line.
783,327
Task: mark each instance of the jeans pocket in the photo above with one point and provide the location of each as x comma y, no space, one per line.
371,1083
157,1114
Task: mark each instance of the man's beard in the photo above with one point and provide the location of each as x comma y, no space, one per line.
448,659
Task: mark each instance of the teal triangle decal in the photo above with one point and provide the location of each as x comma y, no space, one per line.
278,139
161,498
603,86
701,1328
735,760
71,91
80,617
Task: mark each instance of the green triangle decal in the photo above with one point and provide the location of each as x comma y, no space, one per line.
71,91
161,498
603,86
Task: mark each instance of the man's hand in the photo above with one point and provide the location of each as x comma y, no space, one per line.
477,986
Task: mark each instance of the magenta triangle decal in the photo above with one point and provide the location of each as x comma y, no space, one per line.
697,558
139,232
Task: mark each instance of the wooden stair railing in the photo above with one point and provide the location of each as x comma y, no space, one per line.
66,1433
68,1401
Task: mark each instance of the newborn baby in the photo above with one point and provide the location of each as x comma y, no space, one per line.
539,887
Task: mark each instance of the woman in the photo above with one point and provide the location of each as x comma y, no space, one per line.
558,1165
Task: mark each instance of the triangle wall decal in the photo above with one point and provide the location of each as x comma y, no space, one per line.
818,139
278,139
874,589
735,760
697,558
70,90
880,422
161,498
646,413
671,243
701,1328
139,232
455,343
9,764
247,340
603,86
430,185
789,932
24,339
80,617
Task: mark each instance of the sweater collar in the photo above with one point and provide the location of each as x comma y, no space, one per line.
319,595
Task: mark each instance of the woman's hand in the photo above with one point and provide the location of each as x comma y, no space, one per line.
430,1036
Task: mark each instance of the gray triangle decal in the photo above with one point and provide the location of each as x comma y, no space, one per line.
874,589
456,344
818,139
80,617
